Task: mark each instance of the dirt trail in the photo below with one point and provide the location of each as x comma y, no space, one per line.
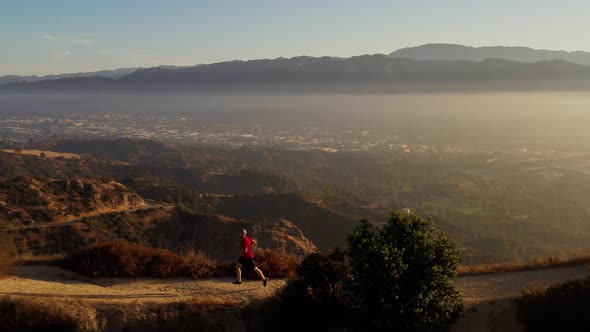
53,282
148,205
488,287
489,298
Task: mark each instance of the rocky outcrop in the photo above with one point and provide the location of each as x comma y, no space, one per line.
219,236
283,236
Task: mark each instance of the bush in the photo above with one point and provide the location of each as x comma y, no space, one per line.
165,264
397,278
401,275
563,307
276,264
198,265
100,260
120,259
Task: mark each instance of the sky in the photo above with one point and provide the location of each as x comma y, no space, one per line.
62,36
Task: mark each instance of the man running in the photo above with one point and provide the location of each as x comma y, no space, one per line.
247,259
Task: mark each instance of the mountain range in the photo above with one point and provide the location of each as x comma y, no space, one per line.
113,74
453,52
428,67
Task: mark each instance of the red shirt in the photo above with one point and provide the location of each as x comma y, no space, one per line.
247,245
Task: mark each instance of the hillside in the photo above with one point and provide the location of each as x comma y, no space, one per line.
35,190
325,194
325,228
163,226
282,222
25,200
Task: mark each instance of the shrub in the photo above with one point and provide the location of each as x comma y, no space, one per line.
401,274
276,264
120,259
563,307
165,264
199,265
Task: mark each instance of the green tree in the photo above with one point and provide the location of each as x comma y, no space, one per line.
401,274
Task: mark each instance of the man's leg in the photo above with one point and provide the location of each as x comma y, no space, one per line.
239,271
259,273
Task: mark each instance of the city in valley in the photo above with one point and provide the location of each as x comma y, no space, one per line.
410,166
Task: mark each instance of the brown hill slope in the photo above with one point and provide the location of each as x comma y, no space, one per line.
25,199
164,227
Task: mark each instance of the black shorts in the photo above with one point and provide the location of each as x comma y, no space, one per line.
249,263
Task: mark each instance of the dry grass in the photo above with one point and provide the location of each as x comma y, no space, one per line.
198,265
28,259
6,255
276,264
47,154
535,264
26,315
6,264
202,314
120,259
208,301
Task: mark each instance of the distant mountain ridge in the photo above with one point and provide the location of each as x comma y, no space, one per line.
453,52
433,67
113,74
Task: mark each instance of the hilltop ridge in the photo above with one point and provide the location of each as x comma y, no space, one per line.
454,52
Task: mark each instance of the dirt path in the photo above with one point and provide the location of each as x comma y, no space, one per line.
488,287
148,205
489,298
55,283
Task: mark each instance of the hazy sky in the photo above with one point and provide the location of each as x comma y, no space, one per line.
57,36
